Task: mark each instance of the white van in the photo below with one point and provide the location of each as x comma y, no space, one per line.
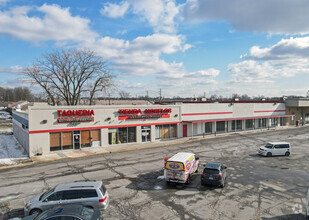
275,149
180,167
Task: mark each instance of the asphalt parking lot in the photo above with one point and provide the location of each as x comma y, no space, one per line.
256,188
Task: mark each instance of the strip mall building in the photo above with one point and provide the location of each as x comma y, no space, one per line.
43,129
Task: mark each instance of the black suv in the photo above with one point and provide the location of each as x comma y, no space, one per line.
214,174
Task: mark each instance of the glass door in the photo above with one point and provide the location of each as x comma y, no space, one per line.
146,133
76,139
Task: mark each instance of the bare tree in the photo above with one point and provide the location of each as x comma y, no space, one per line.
124,94
68,74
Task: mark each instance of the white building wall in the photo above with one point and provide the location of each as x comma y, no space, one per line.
21,135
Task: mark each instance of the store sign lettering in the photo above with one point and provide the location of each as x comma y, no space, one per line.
75,112
85,116
147,111
145,114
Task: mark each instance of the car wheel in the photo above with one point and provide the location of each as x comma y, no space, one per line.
35,211
287,153
268,154
168,183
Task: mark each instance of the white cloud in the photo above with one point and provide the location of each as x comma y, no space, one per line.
114,10
12,69
159,13
3,2
141,56
271,16
287,58
57,24
292,48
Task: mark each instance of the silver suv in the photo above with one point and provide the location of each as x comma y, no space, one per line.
88,193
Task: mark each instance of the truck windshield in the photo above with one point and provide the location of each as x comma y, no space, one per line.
268,145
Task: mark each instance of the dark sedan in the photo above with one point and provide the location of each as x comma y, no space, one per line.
68,212
214,174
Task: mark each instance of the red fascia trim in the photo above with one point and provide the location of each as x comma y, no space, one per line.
210,113
99,127
234,119
269,111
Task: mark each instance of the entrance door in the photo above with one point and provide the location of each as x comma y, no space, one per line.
146,133
76,139
184,130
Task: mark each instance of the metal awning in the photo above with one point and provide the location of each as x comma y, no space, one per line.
235,119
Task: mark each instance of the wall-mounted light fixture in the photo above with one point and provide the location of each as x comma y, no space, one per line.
107,119
44,122
275,103
176,115
231,104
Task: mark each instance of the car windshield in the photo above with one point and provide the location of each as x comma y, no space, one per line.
269,146
47,193
211,171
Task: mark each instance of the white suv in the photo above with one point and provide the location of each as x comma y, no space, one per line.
88,193
275,149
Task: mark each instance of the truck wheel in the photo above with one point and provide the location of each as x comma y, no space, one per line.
268,154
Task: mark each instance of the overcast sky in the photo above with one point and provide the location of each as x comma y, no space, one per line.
186,48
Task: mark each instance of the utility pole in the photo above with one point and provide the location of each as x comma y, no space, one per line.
109,98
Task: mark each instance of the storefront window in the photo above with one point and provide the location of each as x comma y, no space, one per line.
74,140
166,131
55,141
85,138
239,125
122,135
249,124
208,127
220,126
307,117
274,122
131,134
261,123
67,140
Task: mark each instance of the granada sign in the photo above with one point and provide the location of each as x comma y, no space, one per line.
75,116
144,114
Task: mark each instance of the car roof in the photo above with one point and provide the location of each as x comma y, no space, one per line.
181,157
79,185
274,143
213,165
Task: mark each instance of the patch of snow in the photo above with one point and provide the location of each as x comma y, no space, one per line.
160,177
10,150
157,187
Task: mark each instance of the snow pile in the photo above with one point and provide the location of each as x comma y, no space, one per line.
10,150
